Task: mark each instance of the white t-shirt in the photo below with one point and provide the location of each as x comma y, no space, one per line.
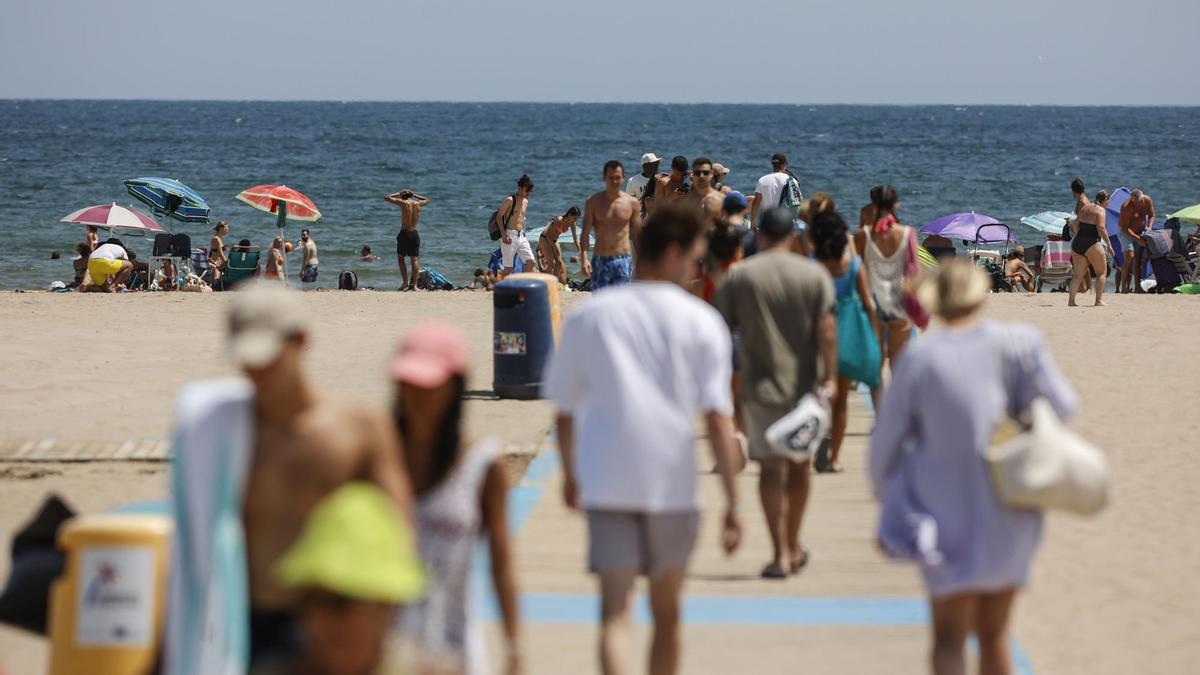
637,186
635,366
770,187
109,252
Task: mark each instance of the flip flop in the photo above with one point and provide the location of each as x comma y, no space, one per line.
773,571
803,562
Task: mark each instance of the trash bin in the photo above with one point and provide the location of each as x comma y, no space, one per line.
524,335
551,282
107,610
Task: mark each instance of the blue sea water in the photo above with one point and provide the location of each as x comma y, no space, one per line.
1007,162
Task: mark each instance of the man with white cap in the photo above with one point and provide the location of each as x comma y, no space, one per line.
637,184
304,447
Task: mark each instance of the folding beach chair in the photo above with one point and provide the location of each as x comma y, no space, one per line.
243,265
1056,267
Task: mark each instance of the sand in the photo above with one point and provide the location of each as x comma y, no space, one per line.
1112,594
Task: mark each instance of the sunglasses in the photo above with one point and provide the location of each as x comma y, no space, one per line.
702,173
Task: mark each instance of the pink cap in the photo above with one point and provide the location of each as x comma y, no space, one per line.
429,355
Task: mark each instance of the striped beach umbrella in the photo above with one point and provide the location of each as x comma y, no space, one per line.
270,199
170,198
1048,222
113,217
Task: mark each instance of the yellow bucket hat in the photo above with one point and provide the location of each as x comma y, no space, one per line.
358,544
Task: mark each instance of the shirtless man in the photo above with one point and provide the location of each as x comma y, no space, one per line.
512,219
305,447
673,186
408,242
703,195
308,250
1137,216
617,221
549,250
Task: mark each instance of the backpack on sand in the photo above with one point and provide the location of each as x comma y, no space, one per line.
348,281
432,280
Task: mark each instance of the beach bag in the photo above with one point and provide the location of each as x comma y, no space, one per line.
798,434
912,267
791,198
431,279
494,230
1158,242
1045,466
348,281
858,354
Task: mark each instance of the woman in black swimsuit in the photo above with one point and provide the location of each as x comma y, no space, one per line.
1089,245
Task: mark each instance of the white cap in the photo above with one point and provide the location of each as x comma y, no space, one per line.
650,158
261,319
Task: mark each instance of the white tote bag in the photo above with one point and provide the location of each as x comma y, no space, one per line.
1048,466
798,434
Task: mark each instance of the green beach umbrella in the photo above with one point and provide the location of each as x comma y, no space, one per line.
1191,213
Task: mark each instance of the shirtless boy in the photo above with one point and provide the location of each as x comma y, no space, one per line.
408,241
305,447
616,218
548,249
1016,271
1137,216
703,195
512,219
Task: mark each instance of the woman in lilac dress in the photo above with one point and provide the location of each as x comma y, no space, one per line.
928,465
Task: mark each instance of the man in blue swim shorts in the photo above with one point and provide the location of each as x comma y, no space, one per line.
614,217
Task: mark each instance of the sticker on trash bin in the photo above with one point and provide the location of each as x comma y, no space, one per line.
510,343
116,597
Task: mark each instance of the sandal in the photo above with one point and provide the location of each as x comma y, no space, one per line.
773,571
803,562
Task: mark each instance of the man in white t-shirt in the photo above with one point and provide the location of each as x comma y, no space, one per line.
769,192
637,184
636,365
108,266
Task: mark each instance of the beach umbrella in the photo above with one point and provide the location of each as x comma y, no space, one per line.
926,259
113,217
971,226
1049,222
283,201
169,197
1190,214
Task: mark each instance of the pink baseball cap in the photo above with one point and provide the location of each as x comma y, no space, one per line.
429,355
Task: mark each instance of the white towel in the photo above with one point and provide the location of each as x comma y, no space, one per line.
207,630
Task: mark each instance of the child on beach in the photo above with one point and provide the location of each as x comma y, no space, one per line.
484,279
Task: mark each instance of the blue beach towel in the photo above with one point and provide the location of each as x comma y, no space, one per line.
207,630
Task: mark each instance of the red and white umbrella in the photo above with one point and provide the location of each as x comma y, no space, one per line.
113,217
267,198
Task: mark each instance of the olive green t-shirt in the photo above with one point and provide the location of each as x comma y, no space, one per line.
776,299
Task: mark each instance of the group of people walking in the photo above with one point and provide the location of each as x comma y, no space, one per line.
716,321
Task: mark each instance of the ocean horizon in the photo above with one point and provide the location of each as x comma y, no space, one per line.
1007,161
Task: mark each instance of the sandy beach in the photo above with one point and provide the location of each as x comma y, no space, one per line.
1109,595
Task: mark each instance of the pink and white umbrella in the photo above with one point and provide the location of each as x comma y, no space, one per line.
113,217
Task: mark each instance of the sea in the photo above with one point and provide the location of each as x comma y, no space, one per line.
1003,161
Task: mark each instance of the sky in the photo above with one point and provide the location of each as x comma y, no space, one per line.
1068,52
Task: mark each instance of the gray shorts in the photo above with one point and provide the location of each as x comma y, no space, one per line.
758,417
650,543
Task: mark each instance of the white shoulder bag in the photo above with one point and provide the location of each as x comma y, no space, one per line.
1048,466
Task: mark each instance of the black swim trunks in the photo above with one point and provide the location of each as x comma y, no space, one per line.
408,244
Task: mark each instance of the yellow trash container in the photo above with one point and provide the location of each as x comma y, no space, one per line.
106,611
551,282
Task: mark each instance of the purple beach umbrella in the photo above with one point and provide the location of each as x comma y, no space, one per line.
973,227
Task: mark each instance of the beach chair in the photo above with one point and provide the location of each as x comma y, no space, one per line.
162,245
243,265
1056,267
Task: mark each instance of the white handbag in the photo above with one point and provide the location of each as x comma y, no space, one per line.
1048,466
798,434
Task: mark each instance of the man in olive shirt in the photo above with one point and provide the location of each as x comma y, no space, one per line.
783,305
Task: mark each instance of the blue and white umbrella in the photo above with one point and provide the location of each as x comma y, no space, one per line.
1049,222
167,197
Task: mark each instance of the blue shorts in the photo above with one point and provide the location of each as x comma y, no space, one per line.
611,270
308,274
